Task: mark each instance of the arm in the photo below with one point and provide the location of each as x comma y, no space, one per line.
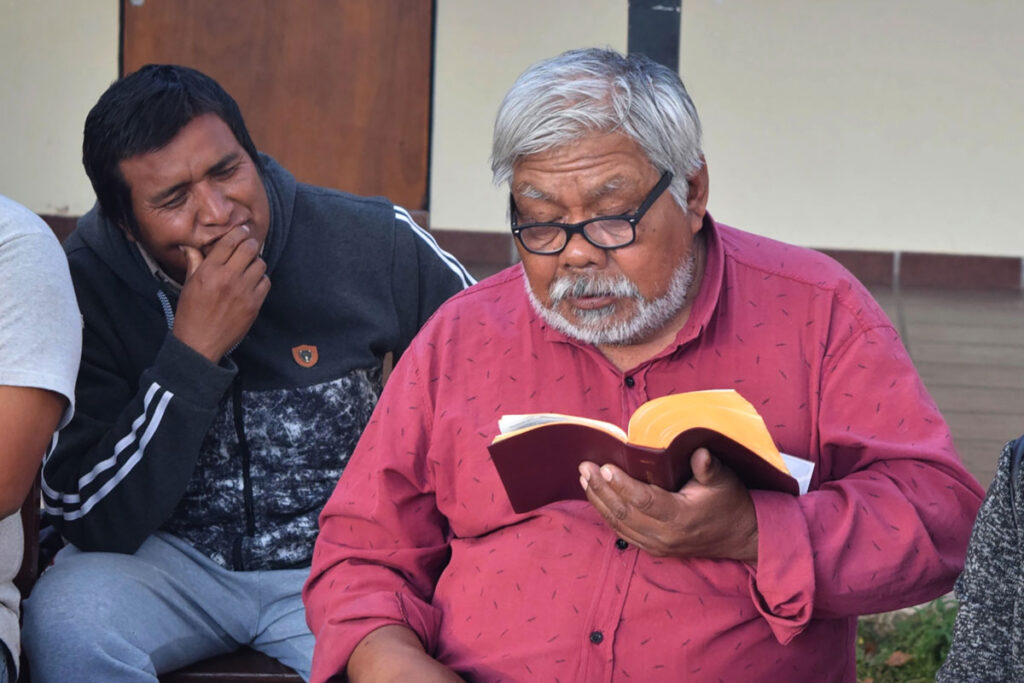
887,530
984,634
28,418
40,345
120,468
395,653
889,522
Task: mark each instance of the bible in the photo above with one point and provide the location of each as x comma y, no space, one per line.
537,455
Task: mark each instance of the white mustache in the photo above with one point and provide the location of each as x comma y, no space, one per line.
569,287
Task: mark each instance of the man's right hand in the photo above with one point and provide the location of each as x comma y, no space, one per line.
222,294
394,654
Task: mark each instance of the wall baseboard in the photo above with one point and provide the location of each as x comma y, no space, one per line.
484,253
488,251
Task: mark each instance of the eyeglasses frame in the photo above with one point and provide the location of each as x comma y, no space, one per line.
571,229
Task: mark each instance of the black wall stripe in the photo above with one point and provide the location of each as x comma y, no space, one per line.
654,30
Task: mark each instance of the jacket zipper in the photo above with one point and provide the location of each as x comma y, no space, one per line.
243,447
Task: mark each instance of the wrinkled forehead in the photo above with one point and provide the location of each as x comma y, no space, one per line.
606,162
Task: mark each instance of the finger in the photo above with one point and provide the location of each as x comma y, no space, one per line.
706,468
255,271
626,498
263,287
600,495
193,259
627,524
225,245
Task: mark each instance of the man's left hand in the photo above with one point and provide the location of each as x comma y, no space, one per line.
711,516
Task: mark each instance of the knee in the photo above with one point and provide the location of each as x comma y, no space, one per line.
71,616
69,598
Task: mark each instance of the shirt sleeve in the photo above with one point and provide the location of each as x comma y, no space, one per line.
985,633
41,334
888,523
120,467
376,563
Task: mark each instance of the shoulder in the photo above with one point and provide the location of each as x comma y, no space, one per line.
17,221
342,208
491,303
795,271
29,251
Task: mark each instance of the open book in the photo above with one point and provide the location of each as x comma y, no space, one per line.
537,456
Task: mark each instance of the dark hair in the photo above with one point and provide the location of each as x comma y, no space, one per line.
141,113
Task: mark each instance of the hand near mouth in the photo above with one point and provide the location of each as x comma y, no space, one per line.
222,294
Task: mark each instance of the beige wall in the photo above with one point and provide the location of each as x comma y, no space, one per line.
57,56
482,45
859,124
864,124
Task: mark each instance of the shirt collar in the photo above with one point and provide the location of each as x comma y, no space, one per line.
157,271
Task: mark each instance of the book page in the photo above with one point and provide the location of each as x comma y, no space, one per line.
799,469
656,423
509,425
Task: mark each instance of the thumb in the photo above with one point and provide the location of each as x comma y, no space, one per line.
193,259
706,468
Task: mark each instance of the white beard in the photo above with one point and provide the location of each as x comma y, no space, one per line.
596,326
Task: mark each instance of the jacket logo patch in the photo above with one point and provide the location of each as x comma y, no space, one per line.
305,355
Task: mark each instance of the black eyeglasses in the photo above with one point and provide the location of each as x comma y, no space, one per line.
604,232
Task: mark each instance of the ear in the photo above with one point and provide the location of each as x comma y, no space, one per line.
697,193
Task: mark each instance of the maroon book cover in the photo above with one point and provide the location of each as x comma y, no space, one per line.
540,465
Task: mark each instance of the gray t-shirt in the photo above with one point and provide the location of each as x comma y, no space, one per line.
40,346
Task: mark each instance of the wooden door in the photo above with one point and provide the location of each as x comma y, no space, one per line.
338,91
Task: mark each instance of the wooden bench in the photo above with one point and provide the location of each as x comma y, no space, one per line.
241,666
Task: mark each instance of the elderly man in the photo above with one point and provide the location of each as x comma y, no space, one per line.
235,326
628,290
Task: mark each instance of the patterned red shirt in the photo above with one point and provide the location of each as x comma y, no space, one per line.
420,531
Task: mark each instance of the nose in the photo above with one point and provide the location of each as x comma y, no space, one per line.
213,205
579,253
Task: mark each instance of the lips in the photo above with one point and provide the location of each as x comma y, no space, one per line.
588,303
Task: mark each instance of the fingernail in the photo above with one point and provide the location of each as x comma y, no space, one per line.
583,482
606,472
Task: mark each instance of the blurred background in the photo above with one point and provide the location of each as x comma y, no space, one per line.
887,134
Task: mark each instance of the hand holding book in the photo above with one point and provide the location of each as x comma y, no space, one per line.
537,455
711,516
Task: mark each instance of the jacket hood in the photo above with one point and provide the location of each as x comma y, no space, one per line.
111,246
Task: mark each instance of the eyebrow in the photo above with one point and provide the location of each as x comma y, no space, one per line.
611,185
220,165
528,191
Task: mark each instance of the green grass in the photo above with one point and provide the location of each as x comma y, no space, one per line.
907,646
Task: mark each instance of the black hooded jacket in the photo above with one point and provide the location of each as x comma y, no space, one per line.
237,458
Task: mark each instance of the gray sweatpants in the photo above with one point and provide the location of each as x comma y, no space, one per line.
97,616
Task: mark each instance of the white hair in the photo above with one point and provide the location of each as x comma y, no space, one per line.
595,91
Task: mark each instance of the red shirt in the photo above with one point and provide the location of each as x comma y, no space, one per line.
420,531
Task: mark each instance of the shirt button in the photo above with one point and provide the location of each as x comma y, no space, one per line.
596,637
630,382
621,544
